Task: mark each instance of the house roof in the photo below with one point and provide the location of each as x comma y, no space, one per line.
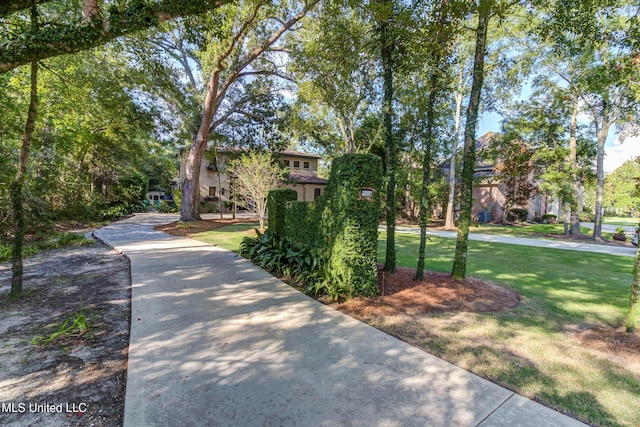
302,178
292,153
288,153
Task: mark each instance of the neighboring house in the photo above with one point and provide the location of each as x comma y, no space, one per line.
215,183
489,194
155,197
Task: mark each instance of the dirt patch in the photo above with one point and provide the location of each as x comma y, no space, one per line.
613,343
79,378
400,293
180,229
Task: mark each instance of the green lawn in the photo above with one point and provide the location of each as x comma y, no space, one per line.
529,349
230,236
571,286
622,221
528,230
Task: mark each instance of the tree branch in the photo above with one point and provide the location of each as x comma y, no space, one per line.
50,41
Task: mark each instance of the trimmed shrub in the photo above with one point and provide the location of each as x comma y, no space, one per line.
349,223
302,224
277,205
331,244
549,218
519,214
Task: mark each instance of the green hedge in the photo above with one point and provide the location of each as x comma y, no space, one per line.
340,228
302,225
350,223
276,204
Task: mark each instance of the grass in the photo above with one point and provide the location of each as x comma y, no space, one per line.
621,221
529,349
55,241
529,230
230,236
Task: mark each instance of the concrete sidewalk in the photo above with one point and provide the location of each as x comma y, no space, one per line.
215,341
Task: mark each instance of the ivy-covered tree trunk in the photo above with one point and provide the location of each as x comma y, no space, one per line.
17,194
459,269
426,176
633,317
386,53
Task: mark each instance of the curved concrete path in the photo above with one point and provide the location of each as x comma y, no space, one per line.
215,341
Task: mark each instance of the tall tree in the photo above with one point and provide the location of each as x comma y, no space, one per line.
385,15
484,10
335,68
248,33
441,35
464,77
594,32
17,187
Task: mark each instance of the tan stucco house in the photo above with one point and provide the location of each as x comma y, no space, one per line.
215,183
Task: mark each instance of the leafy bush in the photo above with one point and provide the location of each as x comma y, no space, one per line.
115,212
519,214
283,257
549,218
586,217
276,203
168,206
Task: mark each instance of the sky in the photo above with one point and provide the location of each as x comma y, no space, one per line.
616,152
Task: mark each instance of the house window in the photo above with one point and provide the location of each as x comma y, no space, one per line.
286,163
222,191
306,165
316,193
155,197
212,191
296,164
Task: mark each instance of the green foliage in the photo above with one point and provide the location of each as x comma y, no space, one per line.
46,242
168,206
277,205
342,227
283,257
549,218
74,326
302,223
520,214
621,185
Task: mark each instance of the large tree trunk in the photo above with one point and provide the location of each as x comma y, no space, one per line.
601,134
573,165
426,177
458,271
191,181
386,53
17,187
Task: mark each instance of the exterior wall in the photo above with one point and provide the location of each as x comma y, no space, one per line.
491,198
312,170
306,192
488,198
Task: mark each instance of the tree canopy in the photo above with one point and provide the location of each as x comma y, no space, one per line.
71,28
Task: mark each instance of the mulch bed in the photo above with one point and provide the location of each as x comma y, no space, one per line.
402,294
